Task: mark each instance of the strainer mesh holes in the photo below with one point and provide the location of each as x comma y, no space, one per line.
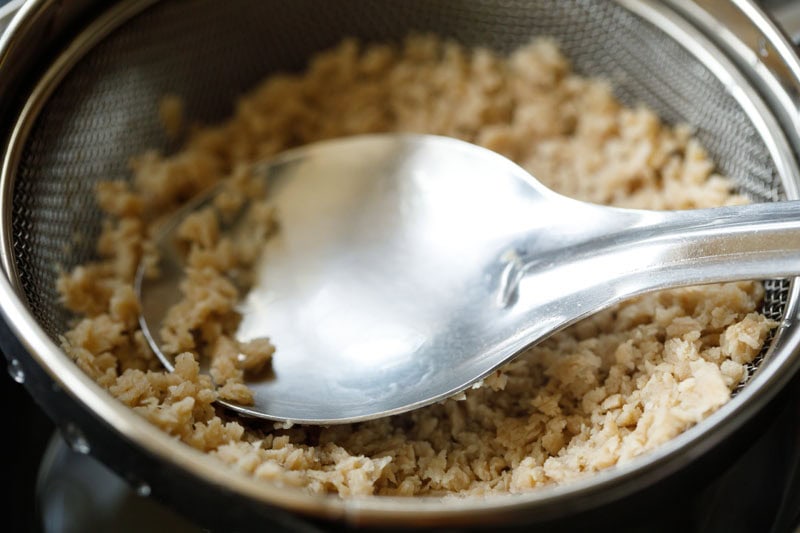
211,52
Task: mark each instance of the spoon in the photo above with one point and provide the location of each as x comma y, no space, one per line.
409,267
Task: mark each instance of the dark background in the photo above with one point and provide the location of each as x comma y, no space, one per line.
26,438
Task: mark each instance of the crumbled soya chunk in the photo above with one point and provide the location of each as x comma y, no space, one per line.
600,393
204,321
255,354
170,112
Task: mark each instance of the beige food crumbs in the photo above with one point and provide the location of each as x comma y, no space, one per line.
204,322
170,112
599,394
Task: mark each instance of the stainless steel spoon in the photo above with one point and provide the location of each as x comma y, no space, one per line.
409,267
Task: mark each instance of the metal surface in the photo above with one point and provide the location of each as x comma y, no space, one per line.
786,13
695,62
7,12
408,267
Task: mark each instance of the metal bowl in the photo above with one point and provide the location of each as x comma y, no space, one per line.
79,82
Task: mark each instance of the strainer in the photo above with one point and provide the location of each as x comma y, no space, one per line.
79,85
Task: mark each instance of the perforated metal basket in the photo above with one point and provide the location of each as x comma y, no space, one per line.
79,86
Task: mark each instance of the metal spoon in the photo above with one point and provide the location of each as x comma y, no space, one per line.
409,267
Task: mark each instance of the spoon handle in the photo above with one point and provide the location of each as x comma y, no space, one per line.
628,252
718,244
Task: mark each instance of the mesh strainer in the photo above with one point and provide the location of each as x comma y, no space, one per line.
79,89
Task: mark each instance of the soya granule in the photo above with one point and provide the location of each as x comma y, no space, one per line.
598,394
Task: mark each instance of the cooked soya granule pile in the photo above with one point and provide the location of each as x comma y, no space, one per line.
598,394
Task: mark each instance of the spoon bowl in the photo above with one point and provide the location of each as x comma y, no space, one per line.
408,268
